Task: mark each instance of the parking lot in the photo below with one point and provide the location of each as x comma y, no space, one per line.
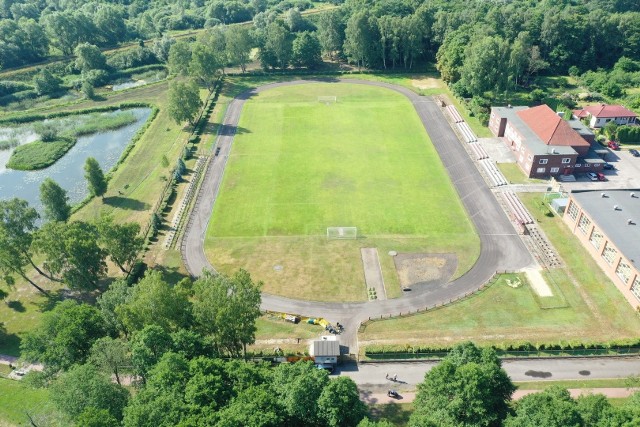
625,175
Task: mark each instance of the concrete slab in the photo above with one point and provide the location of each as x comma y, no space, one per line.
373,272
497,151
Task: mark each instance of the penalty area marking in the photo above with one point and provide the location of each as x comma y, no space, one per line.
373,272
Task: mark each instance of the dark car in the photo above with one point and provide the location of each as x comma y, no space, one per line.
634,152
608,166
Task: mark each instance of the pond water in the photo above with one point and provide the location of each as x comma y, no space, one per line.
129,84
68,172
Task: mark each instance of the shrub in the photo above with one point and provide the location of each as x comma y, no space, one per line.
39,154
629,134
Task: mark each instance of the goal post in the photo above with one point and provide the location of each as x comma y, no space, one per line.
328,99
342,233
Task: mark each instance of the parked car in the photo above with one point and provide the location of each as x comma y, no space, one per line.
608,166
613,145
592,176
601,176
634,152
327,367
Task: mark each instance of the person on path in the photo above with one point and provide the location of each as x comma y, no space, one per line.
386,376
395,377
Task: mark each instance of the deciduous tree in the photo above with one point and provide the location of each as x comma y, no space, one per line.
95,178
110,355
306,50
551,408
55,201
227,308
122,242
184,101
339,404
238,46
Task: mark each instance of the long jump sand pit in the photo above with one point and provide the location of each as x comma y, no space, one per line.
538,283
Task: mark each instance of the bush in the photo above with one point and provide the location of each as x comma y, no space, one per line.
8,87
629,134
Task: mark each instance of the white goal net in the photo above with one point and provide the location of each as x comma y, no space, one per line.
337,233
328,99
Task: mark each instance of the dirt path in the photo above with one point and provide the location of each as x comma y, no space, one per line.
372,272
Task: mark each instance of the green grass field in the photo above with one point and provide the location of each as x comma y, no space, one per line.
298,166
17,398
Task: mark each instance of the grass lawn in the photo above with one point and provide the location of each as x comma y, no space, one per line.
593,309
299,166
605,383
16,398
514,174
396,413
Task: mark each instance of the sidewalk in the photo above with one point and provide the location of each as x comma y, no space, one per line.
382,398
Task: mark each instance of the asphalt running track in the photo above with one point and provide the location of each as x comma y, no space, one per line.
501,247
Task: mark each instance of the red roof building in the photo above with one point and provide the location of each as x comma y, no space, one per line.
600,115
544,144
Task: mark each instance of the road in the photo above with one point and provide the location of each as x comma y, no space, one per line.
370,377
501,247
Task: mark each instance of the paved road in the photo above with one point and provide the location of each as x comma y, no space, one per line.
370,377
501,247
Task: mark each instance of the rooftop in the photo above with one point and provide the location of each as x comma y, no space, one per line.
550,127
535,144
325,348
614,222
605,111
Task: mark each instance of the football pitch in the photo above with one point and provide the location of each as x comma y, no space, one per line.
298,166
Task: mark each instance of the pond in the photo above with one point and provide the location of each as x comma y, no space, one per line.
68,172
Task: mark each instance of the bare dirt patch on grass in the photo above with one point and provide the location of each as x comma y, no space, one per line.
427,83
425,269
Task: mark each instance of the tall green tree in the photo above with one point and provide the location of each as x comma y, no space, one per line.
122,242
450,56
486,65
71,249
95,178
147,348
89,57
17,225
255,406
298,387
154,302
218,299
339,404
55,201
331,32
362,41
205,64
306,50
46,83
108,303
553,407
111,356
179,57
184,101
469,387
278,46
238,45
64,336
85,387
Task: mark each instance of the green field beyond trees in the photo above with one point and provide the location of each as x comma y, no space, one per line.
299,166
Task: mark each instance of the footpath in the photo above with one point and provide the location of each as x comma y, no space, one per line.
408,397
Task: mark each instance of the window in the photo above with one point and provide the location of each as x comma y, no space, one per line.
584,224
543,161
587,165
566,160
555,170
578,165
540,170
609,254
573,211
596,238
623,271
635,288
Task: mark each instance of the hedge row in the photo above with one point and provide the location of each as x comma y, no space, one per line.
507,347
629,134
28,118
137,70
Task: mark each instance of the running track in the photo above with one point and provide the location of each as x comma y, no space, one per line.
501,247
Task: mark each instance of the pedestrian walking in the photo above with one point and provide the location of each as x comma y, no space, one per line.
386,376
395,377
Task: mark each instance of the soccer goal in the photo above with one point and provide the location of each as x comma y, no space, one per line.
339,233
328,99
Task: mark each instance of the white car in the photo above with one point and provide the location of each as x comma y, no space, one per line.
592,176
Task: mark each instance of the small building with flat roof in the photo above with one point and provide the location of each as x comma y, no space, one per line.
325,351
607,223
